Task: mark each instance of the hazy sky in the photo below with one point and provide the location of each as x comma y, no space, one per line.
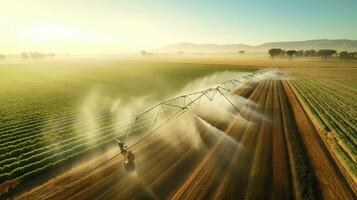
116,26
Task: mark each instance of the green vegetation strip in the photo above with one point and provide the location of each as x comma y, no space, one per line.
333,111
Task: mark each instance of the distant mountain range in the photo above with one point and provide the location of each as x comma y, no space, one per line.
342,44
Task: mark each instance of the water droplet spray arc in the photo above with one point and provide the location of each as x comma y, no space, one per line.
154,118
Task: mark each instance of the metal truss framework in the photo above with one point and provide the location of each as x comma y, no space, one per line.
151,120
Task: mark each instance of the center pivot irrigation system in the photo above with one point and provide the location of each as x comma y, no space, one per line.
151,120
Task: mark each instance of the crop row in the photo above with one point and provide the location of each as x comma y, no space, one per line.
17,138
16,148
345,117
330,116
43,155
32,129
31,145
350,85
15,122
27,165
343,88
36,121
33,119
54,136
6,148
25,157
351,165
327,113
346,101
21,115
60,159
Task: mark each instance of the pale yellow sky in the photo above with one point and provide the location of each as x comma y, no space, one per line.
122,26
76,28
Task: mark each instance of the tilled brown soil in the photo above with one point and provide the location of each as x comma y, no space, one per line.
247,161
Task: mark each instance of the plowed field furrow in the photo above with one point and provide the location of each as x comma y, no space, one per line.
234,186
210,171
260,171
88,181
289,130
188,188
157,159
148,179
280,162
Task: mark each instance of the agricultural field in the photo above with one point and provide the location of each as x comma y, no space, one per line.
330,96
60,117
54,112
234,158
178,100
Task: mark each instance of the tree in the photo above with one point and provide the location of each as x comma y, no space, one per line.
310,53
241,52
37,55
347,55
24,55
275,52
143,53
299,53
344,55
354,55
325,53
283,52
290,53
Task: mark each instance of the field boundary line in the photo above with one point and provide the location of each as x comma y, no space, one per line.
296,184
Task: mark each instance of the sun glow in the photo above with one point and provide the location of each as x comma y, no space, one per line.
48,32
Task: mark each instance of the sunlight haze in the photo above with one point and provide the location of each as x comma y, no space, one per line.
119,27
178,99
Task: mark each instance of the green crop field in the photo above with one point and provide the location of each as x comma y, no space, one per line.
52,111
331,96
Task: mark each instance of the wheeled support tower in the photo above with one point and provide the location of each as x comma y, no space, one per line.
129,157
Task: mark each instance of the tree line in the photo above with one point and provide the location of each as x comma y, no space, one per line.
34,55
323,53
29,55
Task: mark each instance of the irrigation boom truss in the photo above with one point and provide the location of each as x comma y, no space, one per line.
151,120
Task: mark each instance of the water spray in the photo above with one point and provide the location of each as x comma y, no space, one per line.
172,109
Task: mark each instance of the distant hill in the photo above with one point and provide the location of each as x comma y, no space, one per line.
343,44
190,47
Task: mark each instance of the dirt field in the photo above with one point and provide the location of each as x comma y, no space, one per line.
252,161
